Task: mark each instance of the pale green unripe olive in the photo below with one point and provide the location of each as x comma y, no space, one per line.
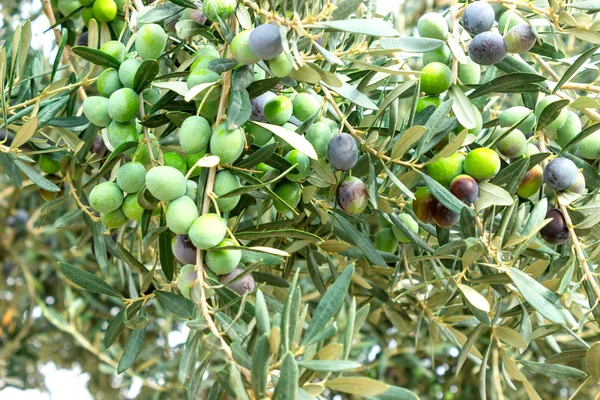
131,208
180,214
165,183
304,105
104,10
191,189
131,177
106,197
114,219
150,41
207,231
319,135
225,182
194,135
95,109
123,105
281,66
240,50
108,82
176,161
116,49
187,279
118,133
223,261
227,144
127,71
303,167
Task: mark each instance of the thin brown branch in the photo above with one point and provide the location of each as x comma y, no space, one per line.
67,53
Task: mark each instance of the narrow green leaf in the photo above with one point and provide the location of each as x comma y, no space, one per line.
395,393
132,349
221,65
360,239
541,299
11,169
287,386
260,366
329,365
87,281
550,113
239,108
329,304
263,324
159,13
96,57
114,329
572,70
131,260
462,107
592,361
397,182
492,195
345,8
352,94
411,44
61,47
145,75
358,385
566,357
175,303
39,180
506,83
298,142
554,370
166,252
373,27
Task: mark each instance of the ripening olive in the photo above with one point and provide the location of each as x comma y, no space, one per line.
352,195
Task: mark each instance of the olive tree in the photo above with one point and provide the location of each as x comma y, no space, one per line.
328,199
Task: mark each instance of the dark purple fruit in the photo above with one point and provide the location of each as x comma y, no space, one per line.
465,188
83,39
342,151
487,48
265,42
20,217
443,216
556,232
98,147
183,249
241,286
478,17
560,173
352,195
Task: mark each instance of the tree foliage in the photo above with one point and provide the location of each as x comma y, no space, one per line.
372,277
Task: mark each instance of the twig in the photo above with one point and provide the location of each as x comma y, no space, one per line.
579,251
587,111
362,142
576,244
66,55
